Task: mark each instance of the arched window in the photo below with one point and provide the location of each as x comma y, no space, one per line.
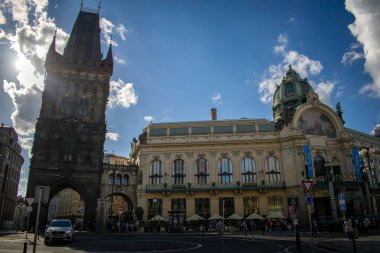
225,170
248,170
155,172
319,166
178,172
118,180
201,171
272,169
110,179
125,179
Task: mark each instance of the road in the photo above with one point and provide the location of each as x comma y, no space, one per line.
105,243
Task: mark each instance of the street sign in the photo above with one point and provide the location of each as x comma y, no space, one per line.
45,194
341,196
309,199
81,210
29,209
29,201
308,185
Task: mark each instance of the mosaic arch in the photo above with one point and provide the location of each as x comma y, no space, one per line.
314,122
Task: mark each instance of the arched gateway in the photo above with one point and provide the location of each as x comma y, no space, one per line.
71,128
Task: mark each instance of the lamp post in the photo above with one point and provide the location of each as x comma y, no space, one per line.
331,180
366,152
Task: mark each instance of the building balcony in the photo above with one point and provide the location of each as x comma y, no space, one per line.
214,187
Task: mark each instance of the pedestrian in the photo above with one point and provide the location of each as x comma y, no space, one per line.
347,226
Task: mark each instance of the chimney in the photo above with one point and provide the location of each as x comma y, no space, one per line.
213,114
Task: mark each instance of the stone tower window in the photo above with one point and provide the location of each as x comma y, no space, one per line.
65,105
83,106
68,151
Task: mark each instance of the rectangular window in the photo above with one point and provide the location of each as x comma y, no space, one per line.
68,151
205,130
267,128
226,207
157,132
246,128
223,129
202,207
179,205
251,205
179,131
154,208
275,203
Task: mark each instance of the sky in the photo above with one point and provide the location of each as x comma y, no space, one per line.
177,59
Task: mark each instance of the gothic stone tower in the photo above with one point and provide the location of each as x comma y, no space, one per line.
71,128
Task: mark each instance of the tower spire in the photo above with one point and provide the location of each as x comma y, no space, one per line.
52,45
81,5
100,2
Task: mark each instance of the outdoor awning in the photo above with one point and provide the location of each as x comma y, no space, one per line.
255,216
234,216
195,217
276,215
157,218
216,217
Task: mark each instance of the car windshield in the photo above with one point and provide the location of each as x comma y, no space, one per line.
60,223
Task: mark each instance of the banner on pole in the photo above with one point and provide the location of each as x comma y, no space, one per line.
308,161
356,161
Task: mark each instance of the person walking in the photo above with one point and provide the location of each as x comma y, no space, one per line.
347,226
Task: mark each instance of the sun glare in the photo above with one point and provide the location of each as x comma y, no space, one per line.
20,63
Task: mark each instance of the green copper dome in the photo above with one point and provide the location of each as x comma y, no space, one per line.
289,95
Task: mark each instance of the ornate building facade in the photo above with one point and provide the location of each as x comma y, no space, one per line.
70,131
256,165
11,161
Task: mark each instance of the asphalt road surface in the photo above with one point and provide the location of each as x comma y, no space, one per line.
111,244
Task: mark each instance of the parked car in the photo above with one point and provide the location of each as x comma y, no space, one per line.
59,230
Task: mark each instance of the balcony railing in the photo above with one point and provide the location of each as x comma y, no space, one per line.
214,186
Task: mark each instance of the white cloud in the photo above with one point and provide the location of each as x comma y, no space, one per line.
283,43
324,90
352,55
3,20
122,94
119,60
30,38
112,136
121,31
217,98
366,29
106,27
27,144
272,77
148,118
292,19
167,119
301,63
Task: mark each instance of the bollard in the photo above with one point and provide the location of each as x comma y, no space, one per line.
25,247
353,242
298,239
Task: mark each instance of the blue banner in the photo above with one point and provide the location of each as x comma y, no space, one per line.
356,161
309,172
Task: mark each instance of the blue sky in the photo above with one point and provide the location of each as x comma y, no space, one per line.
176,59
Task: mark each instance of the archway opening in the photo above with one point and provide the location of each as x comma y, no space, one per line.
120,213
67,204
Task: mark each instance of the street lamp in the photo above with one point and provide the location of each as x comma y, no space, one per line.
367,152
